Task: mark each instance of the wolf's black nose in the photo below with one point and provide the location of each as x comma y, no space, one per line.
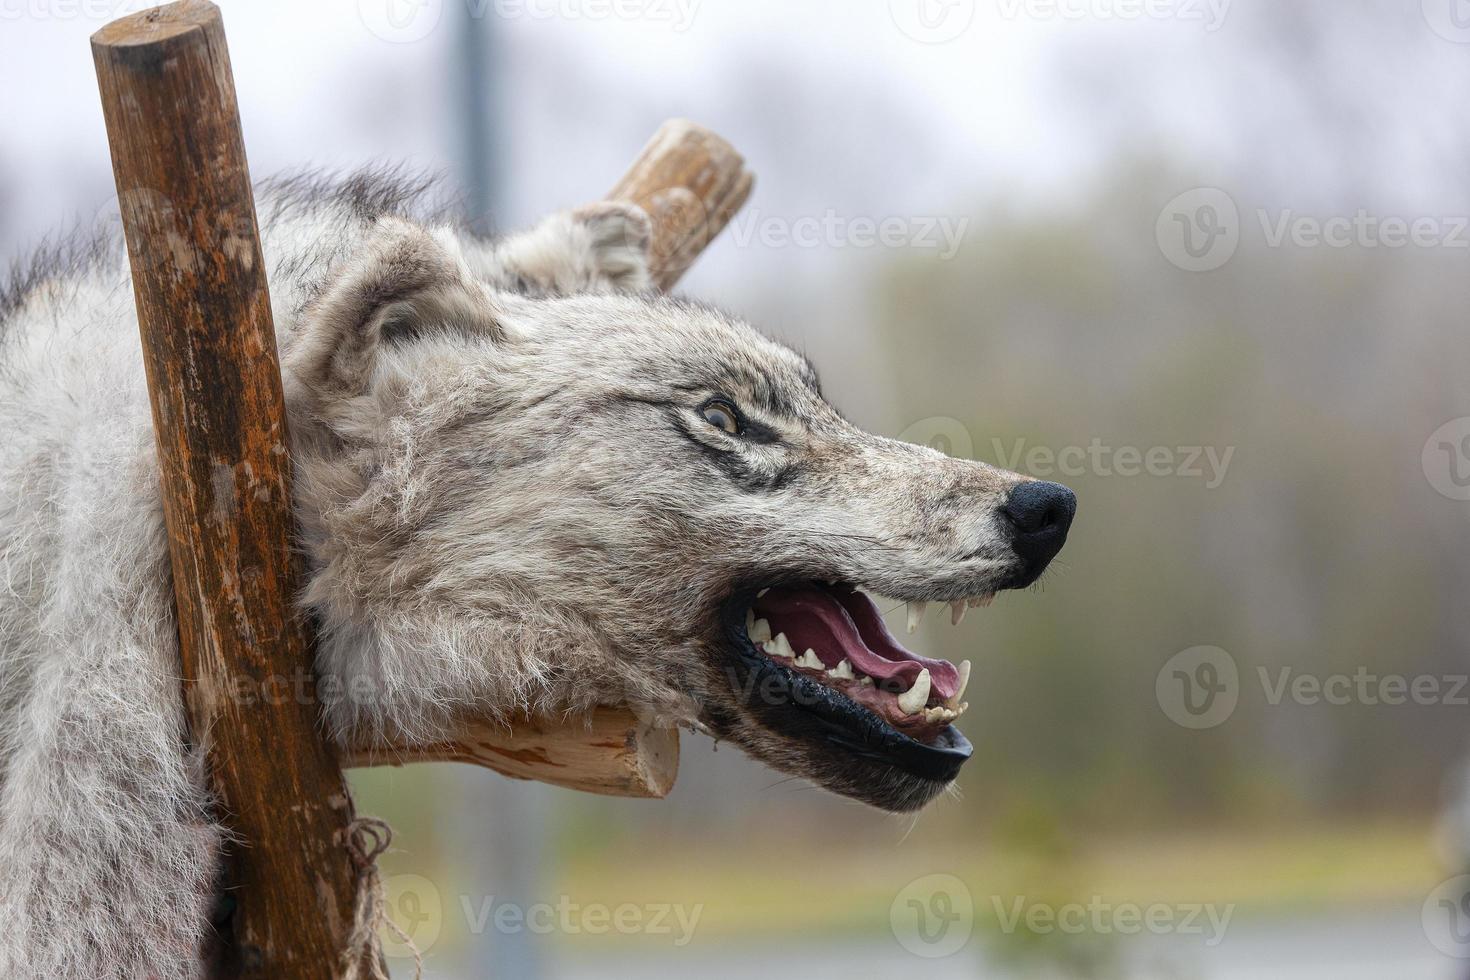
1040,514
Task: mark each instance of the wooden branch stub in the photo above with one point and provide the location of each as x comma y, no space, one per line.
611,752
691,182
209,347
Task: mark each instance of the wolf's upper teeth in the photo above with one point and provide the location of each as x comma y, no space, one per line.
912,701
842,672
759,630
762,593
916,614
956,612
809,660
780,647
954,701
981,601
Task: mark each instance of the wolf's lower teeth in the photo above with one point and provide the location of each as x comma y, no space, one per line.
809,660
842,672
779,647
912,701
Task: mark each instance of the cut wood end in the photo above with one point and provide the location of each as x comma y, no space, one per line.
611,752
157,24
691,181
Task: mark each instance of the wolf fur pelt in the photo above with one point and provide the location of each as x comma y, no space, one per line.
506,500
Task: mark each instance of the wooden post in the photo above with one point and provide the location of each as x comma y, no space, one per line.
209,347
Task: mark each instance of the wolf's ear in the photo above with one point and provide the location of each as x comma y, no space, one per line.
403,284
599,248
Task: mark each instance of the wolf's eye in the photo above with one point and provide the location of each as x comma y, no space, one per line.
722,415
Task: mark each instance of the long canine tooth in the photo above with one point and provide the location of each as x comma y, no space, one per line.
912,701
780,647
956,612
954,701
842,672
916,614
759,630
809,660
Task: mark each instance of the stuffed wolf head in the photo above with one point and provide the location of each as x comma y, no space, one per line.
529,484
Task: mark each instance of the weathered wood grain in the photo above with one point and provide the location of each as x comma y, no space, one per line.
204,312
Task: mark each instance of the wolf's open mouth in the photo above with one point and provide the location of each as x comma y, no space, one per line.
817,664
835,634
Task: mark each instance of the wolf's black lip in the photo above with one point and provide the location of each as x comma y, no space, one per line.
789,701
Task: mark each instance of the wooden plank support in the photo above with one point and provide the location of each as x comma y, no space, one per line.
209,347
613,752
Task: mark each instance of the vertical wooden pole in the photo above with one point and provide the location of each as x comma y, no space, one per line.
209,346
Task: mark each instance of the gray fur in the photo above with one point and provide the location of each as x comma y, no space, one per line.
509,500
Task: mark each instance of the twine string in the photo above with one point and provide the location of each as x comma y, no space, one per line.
367,838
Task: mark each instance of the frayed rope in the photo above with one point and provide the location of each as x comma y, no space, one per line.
368,837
